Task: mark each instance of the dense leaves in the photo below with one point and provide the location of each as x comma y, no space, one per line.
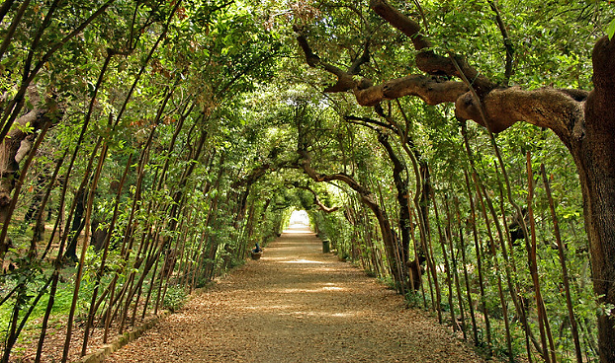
180,133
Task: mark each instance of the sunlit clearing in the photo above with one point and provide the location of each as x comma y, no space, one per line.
299,218
298,229
303,261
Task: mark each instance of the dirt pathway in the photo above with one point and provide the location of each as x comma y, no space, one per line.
297,305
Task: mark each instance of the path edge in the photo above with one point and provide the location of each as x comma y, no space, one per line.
121,340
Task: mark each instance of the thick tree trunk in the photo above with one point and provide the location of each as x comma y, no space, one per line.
9,173
594,155
16,146
597,175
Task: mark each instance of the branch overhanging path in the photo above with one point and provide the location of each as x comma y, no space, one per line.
297,305
475,96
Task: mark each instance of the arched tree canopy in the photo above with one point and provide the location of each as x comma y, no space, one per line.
463,151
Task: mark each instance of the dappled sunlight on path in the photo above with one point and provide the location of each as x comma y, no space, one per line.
296,304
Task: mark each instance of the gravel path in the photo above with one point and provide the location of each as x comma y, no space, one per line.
297,305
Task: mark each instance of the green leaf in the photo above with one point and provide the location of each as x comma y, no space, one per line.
610,30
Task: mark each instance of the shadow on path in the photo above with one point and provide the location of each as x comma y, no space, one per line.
297,304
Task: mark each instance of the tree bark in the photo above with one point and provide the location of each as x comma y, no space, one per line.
403,196
77,225
594,155
16,146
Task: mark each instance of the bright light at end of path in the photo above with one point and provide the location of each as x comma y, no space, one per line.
299,218
302,261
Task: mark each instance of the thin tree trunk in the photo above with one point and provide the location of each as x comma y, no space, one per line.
478,249
545,330
449,235
481,194
562,257
447,268
103,261
88,216
462,247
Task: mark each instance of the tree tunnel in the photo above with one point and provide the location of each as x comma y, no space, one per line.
462,153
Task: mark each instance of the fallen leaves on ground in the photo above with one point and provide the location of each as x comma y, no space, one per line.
297,304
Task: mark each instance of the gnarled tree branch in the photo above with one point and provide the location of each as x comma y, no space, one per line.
344,79
355,68
427,60
510,50
366,196
429,89
559,110
409,27
317,201
432,90
389,237
546,107
477,98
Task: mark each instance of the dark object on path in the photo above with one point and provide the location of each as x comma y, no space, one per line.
257,252
326,246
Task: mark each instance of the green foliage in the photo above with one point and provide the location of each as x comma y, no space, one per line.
228,74
610,30
175,298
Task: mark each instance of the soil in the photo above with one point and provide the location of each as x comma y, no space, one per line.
297,304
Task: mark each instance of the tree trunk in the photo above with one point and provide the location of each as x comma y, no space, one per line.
77,226
9,173
16,146
403,197
594,155
39,194
99,235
